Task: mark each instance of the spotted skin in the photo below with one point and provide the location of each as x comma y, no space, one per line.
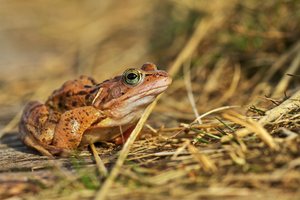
83,111
73,124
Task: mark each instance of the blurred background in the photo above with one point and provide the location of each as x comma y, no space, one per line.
219,53
235,50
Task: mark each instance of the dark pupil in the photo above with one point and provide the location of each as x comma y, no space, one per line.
131,76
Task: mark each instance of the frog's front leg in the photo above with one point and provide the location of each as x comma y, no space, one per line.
124,136
72,125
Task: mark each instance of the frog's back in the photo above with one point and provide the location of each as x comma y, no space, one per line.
72,94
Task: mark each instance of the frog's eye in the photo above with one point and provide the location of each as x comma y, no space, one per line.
132,77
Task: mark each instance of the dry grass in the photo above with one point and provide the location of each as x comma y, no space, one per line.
227,128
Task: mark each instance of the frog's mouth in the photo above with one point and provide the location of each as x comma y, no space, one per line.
131,105
152,90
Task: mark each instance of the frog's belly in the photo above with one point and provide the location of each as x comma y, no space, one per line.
102,134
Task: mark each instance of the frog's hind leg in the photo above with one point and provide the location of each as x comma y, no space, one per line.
32,129
33,143
73,124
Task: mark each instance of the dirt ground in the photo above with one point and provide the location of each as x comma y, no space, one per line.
227,128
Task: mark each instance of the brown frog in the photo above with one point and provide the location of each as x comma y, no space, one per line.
83,112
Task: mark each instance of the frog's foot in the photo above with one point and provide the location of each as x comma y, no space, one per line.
36,132
124,137
46,150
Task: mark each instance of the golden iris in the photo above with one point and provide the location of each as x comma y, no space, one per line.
132,77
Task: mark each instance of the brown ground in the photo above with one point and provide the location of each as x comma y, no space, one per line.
221,54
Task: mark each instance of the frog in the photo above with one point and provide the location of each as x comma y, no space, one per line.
82,111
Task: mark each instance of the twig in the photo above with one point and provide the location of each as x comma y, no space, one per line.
102,193
188,85
197,126
100,165
151,128
290,104
201,116
253,126
215,110
122,135
207,164
180,149
284,82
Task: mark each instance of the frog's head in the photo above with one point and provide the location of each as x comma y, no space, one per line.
124,98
